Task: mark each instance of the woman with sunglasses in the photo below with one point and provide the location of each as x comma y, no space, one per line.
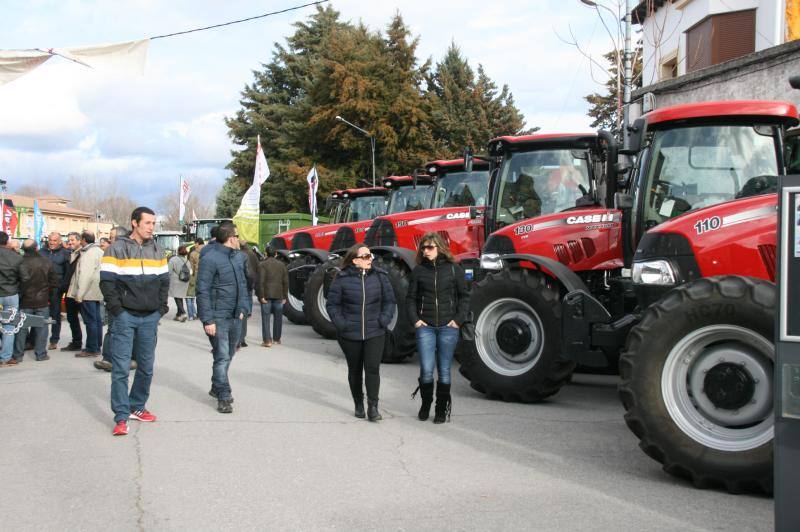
437,301
361,304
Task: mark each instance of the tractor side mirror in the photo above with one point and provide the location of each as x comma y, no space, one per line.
794,81
468,159
415,177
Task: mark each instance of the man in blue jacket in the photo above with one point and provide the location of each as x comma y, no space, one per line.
221,305
59,256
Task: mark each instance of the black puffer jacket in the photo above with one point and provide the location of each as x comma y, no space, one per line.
361,303
437,293
37,280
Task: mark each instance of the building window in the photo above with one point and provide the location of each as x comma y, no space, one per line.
720,38
669,66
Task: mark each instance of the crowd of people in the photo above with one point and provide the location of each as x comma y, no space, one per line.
123,283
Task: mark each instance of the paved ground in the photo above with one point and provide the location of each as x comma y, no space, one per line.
292,457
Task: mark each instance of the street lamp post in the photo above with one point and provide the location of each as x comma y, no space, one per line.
626,60
371,142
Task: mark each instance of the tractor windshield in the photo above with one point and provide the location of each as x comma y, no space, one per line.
169,243
540,182
694,167
365,208
407,198
336,210
462,189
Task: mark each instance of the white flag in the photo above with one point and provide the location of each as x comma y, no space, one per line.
185,191
313,184
261,172
247,217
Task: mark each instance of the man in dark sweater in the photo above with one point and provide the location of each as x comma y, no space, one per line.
38,281
57,254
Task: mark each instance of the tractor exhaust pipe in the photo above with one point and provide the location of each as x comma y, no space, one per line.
611,166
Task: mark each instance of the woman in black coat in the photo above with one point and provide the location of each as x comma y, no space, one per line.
437,302
361,304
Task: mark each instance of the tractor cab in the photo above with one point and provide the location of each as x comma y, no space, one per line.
364,203
335,207
546,174
408,193
458,187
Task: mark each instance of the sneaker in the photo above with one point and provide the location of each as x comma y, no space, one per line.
143,415
72,347
121,428
268,343
52,345
12,362
243,344
42,358
105,365
213,393
225,407
87,354
277,342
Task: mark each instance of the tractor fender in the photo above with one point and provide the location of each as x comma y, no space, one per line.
320,254
567,277
407,256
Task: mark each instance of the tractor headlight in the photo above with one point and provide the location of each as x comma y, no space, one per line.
653,272
491,261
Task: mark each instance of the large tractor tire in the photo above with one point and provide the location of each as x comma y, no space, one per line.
400,339
298,274
516,355
316,294
697,382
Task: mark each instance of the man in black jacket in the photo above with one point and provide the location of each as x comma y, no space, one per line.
38,281
73,307
10,262
59,256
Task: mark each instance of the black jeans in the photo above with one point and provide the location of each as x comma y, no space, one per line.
179,304
363,357
73,317
55,315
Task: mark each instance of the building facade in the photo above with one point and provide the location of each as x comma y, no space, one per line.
58,216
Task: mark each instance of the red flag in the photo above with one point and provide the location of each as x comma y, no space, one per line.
9,220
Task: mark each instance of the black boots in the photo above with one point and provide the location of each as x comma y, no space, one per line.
426,393
443,401
372,410
359,413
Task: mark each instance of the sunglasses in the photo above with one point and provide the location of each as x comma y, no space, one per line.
368,256
429,246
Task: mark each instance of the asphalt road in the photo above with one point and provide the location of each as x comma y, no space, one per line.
292,456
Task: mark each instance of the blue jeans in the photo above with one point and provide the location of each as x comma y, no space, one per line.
8,303
191,308
274,307
436,346
90,312
225,341
132,333
39,335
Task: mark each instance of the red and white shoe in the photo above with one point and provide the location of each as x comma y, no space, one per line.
143,415
121,428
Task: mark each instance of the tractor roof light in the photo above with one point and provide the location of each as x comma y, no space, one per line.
491,261
654,272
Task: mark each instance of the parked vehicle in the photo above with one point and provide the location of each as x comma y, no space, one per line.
692,310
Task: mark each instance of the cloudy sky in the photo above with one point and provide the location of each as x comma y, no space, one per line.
64,119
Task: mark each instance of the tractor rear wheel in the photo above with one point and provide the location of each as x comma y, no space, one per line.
400,338
316,297
516,355
298,274
697,382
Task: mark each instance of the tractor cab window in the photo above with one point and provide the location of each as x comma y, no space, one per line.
408,198
695,167
366,208
540,182
792,142
462,189
335,211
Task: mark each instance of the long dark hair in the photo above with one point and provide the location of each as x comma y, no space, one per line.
433,237
351,254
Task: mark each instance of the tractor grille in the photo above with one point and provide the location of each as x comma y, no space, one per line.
561,253
767,252
443,234
343,239
381,233
500,244
302,241
278,243
574,251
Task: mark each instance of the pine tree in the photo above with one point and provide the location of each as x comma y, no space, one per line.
604,107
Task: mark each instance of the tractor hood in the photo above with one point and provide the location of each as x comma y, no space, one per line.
583,239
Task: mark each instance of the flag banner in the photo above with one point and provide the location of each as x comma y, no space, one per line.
10,220
247,217
194,216
313,184
185,191
38,222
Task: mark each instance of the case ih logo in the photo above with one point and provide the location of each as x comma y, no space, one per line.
457,215
591,218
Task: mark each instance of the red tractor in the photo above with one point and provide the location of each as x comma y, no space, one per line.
310,248
454,210
692,311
